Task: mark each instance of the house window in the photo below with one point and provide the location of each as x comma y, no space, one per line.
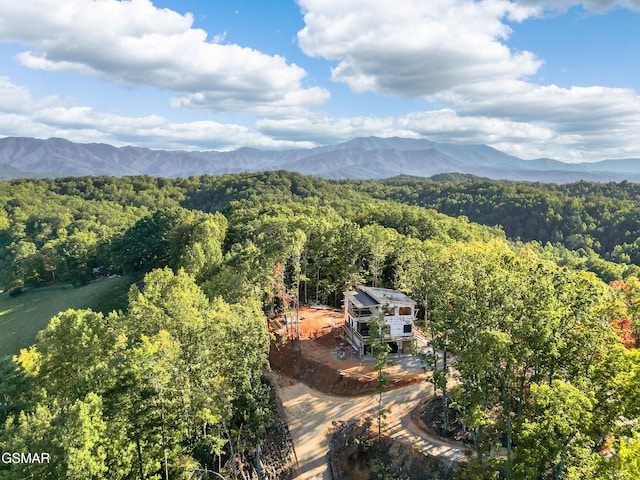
404,310
388,311
408,328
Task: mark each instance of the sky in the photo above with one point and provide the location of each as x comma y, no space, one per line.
532,78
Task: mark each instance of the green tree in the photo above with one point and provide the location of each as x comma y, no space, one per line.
202,249
629,455
554,442
85,440
380,351
73,354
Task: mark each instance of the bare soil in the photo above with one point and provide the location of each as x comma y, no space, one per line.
311,415
323,361
316,378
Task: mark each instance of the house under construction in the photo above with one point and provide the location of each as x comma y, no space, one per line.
398,311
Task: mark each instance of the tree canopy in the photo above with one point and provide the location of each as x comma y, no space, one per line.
532,312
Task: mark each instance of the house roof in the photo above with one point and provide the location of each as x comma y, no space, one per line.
365,297
360,299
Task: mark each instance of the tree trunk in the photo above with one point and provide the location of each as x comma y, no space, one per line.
375,271
509,441
445,420
164,439
306,281
258,461
506,407
464,413
233,455
139,450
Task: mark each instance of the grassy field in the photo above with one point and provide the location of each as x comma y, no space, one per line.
23,316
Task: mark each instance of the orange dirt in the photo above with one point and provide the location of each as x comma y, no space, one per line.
317,361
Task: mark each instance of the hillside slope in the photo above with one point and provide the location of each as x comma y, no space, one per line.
362,158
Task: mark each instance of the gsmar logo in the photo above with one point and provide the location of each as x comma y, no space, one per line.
21,457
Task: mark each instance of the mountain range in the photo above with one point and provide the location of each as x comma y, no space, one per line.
361,158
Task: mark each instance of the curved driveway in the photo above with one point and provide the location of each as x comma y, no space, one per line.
310,414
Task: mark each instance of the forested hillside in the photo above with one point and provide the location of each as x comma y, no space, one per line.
585,216
544,335
61,230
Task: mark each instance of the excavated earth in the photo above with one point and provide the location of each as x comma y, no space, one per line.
322,360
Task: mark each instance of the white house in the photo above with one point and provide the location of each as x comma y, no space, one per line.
398,310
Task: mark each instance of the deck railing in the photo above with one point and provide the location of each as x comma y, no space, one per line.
350,336
353,314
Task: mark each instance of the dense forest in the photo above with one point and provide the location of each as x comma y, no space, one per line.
532,310
60,230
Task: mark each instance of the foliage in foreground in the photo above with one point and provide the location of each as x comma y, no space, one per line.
167,387
544,380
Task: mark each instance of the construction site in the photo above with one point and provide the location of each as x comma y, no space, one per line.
328,394
314,350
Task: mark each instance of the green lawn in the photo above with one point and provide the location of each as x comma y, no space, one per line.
23,316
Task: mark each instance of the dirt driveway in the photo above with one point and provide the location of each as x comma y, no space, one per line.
310,415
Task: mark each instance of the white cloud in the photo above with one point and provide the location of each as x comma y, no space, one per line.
134,43
526,140
419,48
447,126
611,134
455,54
415,48
439,125
520,138
575,110
324,129
23,115
18,99
271,103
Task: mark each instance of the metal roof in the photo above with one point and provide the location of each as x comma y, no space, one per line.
369,296
384,295
361,299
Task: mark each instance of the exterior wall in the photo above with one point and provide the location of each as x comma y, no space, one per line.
397,322
397,327
396,335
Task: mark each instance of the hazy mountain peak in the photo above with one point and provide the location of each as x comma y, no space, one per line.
368,157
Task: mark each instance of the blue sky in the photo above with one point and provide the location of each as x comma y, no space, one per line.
532,78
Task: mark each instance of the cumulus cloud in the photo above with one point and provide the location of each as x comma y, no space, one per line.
18,99
575,110
415,48
443,125
324,129
23,115
134,43
524,139
612,134
455,53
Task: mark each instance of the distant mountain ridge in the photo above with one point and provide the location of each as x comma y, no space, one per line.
361,158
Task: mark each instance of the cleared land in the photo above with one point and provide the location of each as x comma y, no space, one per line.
321,383
322,360
22,317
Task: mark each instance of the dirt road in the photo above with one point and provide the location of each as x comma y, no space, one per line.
310,414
